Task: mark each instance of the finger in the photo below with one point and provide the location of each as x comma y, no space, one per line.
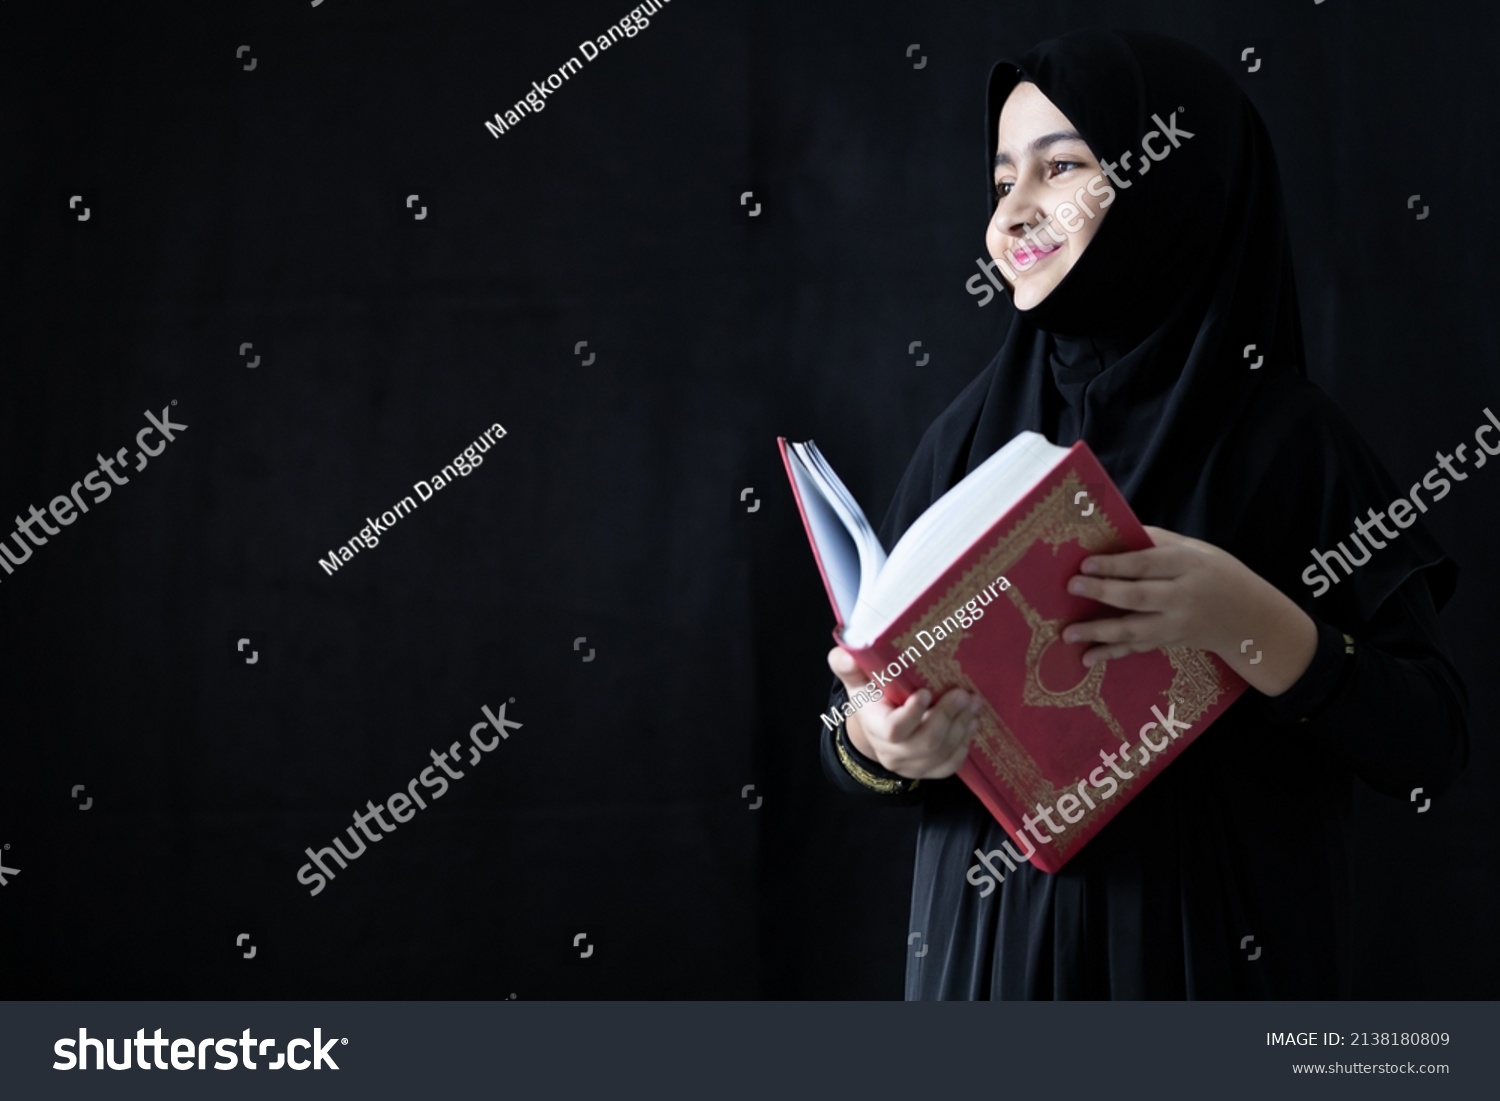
1155,562
1135,596
1095,654
956,731
955,702
953,761
1164,538
1149,628
960,734
906,719
933,744
850,675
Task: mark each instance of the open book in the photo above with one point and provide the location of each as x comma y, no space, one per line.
974,596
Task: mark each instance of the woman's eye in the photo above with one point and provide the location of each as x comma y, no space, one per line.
1055,168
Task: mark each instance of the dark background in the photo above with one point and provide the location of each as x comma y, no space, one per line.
268,206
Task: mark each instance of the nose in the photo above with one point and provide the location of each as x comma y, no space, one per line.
1020,210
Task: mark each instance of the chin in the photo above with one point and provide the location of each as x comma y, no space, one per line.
1031,294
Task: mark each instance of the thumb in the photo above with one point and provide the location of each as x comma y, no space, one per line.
850,675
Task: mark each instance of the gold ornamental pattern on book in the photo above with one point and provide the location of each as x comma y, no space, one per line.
1055,520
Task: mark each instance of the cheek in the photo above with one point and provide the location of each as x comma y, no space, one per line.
993,238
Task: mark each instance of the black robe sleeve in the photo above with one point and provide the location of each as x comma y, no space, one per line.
845,781
1385,700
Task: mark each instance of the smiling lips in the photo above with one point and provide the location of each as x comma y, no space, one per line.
1026,256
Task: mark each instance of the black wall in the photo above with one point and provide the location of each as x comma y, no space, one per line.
269,207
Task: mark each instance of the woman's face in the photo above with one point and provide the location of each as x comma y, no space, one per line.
1050,188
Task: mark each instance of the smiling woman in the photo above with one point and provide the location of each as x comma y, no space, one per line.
1130,319
1040,159
1044,173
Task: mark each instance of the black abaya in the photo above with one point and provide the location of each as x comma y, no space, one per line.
1227,877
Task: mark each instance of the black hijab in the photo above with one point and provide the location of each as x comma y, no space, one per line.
1141,348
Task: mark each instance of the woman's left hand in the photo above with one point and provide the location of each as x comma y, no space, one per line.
1185,592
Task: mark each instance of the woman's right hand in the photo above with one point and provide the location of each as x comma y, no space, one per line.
918,740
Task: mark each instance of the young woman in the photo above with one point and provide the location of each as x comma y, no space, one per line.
1137,225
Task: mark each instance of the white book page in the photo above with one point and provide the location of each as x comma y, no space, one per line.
948,528
847,546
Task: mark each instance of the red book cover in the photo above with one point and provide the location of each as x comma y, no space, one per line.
1049,746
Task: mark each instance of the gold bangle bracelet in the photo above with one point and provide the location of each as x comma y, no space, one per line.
864,775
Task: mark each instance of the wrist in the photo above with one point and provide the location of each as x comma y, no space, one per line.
867,770
1281,640
856,737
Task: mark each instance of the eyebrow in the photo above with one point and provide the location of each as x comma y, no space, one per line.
1003,159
